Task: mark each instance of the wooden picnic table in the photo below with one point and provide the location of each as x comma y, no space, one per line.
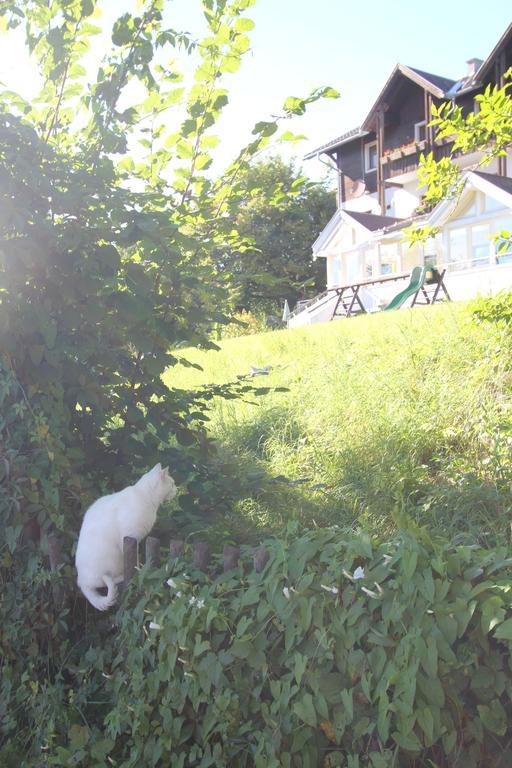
349,301
348,295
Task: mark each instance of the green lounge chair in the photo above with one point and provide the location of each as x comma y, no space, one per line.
416,282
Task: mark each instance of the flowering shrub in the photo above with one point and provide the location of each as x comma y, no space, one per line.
344,651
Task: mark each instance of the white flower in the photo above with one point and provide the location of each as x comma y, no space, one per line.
171,583
196,601
154,625
286,592
178,594
334,590
358,573
387,559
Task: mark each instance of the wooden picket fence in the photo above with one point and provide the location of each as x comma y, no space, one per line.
200,552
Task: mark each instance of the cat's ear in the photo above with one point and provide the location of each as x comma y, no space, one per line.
165,470
157,467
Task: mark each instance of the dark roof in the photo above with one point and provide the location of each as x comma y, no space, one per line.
371,221
443,83
502,182
355,133
440,87
434,84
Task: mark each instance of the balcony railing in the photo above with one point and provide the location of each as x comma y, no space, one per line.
406,158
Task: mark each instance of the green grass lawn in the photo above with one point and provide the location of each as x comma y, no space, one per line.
388,417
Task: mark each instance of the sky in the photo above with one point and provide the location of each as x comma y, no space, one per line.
299,45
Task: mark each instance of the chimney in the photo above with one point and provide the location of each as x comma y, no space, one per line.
473,67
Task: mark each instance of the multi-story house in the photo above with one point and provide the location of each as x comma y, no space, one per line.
378,195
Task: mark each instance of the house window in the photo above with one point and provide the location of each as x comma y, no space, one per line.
369,259
370,156
388,259
480,245
457,249
430,249
336,270
420,131
491,204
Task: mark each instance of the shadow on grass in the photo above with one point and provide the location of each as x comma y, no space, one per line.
283,476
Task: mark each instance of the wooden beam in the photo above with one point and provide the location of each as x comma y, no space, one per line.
130,553
231,556
153,551
429,133
381,189
341,180
500,81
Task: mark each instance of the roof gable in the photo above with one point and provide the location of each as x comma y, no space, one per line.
438,86
434,84
365,223
497,187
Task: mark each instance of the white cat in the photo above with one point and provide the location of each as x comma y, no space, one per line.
130,512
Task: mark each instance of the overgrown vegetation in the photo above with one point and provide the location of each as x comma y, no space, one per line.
280,219
344,652
109,228
108,225
386,416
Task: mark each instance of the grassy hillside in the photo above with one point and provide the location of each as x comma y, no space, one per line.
387,416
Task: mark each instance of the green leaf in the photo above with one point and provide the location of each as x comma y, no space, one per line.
504,631
294,105
408,741
305,710
493,717
493,613
243,24
426,723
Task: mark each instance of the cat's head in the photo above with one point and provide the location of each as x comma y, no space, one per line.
159,482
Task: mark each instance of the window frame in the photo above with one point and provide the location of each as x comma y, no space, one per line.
417,128
367,148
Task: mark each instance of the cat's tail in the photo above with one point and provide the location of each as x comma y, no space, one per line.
101,602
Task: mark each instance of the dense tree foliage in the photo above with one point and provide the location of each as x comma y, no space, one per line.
108,223
280,218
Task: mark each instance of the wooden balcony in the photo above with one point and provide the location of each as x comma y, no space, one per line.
401,160
405,159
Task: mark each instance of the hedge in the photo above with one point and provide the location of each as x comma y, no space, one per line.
345,651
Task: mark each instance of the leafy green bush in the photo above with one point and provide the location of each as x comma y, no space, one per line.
244,323
347,652
106,271
494,309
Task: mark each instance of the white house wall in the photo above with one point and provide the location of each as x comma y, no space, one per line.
464,247
483,281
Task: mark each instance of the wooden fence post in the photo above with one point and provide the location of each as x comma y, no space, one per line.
176,548
130,552
201,555
231,557
153,551
261,557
